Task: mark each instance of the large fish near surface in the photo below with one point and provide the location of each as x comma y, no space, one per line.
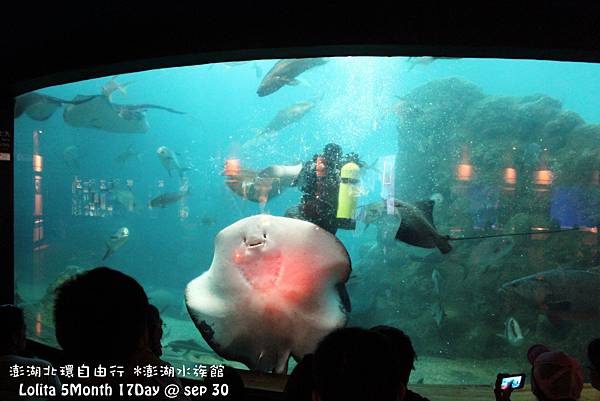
560,294
287,116
426,60
116,241
275,288
284,72
40,107
97,111
168,198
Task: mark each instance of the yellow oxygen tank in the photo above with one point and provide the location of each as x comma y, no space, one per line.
348,195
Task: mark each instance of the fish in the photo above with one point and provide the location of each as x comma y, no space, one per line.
127,155
438,282
416,222
97,111
426,60
71,157
170,161
116,241
168,198
187,346
439,314
417,228
287,116
275,288
40,107
284,72
512,332
562,294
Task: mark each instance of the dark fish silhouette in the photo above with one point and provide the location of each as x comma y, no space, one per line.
99,112
416,226
288,116
128,154
416,223
116,241
560,294
40,107
426,60
167,198
284,72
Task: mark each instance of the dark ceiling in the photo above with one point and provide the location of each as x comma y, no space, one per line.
53,43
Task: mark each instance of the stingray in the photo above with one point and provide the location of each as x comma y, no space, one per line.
100,113
41,107
275,288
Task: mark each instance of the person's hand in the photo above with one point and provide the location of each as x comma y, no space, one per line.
503,395
500,393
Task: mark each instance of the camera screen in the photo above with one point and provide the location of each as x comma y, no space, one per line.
514,381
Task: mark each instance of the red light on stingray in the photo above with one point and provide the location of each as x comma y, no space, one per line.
237,256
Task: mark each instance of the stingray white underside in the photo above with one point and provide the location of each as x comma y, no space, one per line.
273,290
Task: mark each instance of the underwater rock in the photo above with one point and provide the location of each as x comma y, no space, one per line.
534,111
449,122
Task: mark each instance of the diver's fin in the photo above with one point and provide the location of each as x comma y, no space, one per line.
426,206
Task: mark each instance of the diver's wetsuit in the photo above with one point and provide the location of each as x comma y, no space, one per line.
320,186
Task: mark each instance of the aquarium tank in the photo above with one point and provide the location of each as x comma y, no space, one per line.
463,192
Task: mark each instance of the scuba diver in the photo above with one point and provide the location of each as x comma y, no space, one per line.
329,183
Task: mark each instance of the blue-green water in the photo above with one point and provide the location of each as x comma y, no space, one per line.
355,100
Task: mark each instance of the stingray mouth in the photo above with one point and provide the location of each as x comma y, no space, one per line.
255,242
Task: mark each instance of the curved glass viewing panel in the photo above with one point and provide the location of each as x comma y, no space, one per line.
142,171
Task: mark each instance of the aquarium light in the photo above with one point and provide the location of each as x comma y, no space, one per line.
510,175
464,171
544,177
38,163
